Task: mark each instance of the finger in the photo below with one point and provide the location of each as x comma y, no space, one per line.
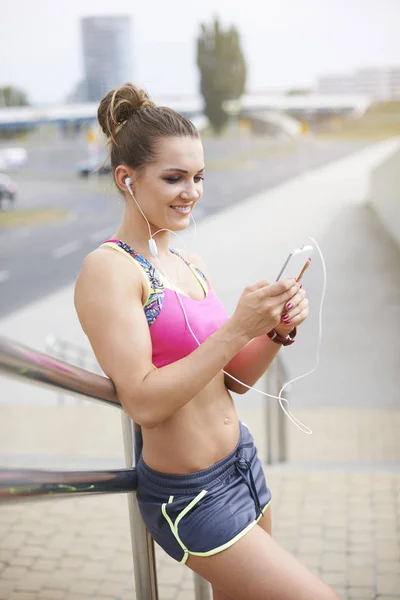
293,302
284,287
294,316
258,286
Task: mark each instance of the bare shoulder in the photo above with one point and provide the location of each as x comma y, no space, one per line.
105,266
105,276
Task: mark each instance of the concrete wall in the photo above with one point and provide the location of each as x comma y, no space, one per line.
384,194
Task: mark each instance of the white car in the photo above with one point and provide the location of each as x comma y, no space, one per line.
13,158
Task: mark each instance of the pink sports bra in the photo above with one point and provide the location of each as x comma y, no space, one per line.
170,336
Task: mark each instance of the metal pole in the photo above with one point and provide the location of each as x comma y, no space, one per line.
144,561
275,417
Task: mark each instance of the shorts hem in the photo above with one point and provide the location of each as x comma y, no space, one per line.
228,544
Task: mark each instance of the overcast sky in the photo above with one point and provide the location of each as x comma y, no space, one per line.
286,42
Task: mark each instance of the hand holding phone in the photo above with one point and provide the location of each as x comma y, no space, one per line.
296,263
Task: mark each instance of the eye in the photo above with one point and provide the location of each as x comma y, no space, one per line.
173,179
198,178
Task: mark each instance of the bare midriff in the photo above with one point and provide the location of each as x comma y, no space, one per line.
197,436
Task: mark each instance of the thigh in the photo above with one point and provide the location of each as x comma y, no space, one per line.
218,595
257,568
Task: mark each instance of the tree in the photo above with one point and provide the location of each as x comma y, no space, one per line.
11,96
222,70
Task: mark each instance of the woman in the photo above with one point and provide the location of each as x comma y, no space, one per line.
162,336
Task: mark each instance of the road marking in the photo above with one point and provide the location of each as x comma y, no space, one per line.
66,249
102,234
4,275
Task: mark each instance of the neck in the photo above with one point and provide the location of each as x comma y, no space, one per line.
135,232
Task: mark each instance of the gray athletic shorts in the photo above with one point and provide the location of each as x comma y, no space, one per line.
205,512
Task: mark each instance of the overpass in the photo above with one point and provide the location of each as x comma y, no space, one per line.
301,107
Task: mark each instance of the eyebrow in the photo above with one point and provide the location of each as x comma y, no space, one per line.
182,170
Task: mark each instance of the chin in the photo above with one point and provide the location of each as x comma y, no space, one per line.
178,224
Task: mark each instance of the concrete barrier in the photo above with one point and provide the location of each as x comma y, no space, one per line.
384,195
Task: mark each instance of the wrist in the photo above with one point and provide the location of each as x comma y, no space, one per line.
230,333
284,340
284,330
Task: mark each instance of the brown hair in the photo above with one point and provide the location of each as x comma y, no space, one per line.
133,124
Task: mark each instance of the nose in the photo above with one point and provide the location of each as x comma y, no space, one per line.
191,192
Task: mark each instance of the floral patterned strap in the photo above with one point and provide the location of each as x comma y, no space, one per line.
196,271
155,300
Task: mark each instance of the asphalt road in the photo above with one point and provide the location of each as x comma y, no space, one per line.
35,261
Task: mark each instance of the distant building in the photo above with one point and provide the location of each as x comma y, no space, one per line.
107,54
379,83
78,94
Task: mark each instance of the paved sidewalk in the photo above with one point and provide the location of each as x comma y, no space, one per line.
336,502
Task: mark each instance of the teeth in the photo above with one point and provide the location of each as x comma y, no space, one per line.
183,209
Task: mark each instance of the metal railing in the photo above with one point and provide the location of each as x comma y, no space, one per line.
275,418
20,362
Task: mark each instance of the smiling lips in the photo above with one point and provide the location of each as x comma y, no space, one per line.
182,208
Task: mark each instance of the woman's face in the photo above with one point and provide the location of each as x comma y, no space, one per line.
168,189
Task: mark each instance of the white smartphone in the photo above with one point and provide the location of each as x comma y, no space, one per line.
295,263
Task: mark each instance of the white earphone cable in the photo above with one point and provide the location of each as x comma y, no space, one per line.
294,419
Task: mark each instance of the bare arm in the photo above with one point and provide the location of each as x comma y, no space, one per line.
108,299
109,305
250,363
252,360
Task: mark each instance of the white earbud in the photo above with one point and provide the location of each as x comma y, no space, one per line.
152,244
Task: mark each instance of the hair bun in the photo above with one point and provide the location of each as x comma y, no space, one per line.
119,105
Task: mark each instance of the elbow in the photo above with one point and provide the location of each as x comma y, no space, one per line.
148,419
240,389
235,387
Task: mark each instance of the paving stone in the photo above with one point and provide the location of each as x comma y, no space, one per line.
122,564
21,561
167,592
361,560
14,573
361,576
6,587
386,553
109,588
337,546
34,551
388,584
57,583
366,593
45,565
310,560
83,587
170,575
52,595
33,582
333,578
334,562
13,540
184,595
388,566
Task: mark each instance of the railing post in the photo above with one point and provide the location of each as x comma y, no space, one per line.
144,560
274,415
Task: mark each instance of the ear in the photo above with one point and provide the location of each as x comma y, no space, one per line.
120,174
